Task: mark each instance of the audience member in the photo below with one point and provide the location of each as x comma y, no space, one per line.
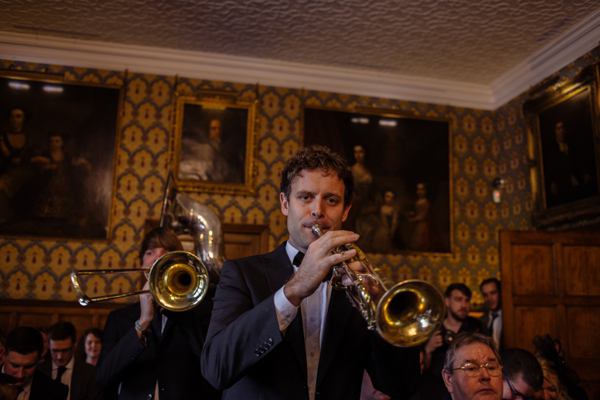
65,368
560,380
147,352
492,318
457,299
521,373
23,348
89,346
472,368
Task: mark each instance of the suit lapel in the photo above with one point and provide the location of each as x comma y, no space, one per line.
338,315
76,379
278,270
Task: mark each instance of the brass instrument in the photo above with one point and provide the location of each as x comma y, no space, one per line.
178,281
185,216
405,315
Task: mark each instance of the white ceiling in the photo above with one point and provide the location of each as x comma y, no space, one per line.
461,52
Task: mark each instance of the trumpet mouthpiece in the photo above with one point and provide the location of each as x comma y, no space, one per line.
317,229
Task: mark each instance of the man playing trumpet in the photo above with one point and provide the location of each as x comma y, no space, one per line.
277,330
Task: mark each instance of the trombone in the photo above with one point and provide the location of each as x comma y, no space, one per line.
178,281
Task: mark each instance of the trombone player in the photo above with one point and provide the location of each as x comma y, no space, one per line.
152,353
278,330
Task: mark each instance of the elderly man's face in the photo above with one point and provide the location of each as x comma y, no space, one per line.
480,387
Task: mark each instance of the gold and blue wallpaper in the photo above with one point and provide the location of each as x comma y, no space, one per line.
485,145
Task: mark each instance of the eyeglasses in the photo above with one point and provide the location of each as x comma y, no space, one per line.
472,369
62,351
515,393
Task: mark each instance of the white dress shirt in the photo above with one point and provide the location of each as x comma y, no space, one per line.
497,326
314,312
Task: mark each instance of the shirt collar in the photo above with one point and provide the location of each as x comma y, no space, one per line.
291,253
69,365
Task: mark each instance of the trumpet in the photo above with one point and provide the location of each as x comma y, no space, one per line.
405,315
178,281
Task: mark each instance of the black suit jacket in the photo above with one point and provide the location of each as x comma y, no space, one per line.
44,388
83,380
246,354
174,360
485,321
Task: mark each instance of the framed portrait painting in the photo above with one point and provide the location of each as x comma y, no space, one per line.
57,156
401,167
564,142
214,144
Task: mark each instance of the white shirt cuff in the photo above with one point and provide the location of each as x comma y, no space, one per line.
285,311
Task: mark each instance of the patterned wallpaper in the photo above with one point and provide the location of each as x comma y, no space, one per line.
485,145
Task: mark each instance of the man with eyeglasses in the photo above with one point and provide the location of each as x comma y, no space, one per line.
522,374
472,369
71,371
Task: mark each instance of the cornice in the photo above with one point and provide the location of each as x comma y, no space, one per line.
152,60
556,55
159,61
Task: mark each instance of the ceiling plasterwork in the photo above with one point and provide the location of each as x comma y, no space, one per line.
459,40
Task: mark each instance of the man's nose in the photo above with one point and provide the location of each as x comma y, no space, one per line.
20,373
317,210
484,375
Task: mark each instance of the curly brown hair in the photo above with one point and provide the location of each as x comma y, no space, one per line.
317,158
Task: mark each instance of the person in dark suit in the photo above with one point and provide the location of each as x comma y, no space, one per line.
150,353
23,348
64,367
279,331
492,318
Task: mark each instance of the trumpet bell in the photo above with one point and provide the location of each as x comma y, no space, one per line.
178,281
409,313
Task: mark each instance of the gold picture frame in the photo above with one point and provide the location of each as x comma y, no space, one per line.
214,143
564,149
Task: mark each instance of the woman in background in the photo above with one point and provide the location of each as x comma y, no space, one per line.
90,345
560,380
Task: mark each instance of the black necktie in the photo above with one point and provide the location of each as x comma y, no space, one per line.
59,373
298,259
494,316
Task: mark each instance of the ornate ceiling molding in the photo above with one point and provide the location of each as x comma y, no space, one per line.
93,54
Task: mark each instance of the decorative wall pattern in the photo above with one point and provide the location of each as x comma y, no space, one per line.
485,145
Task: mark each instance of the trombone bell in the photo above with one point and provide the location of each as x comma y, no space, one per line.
178,281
